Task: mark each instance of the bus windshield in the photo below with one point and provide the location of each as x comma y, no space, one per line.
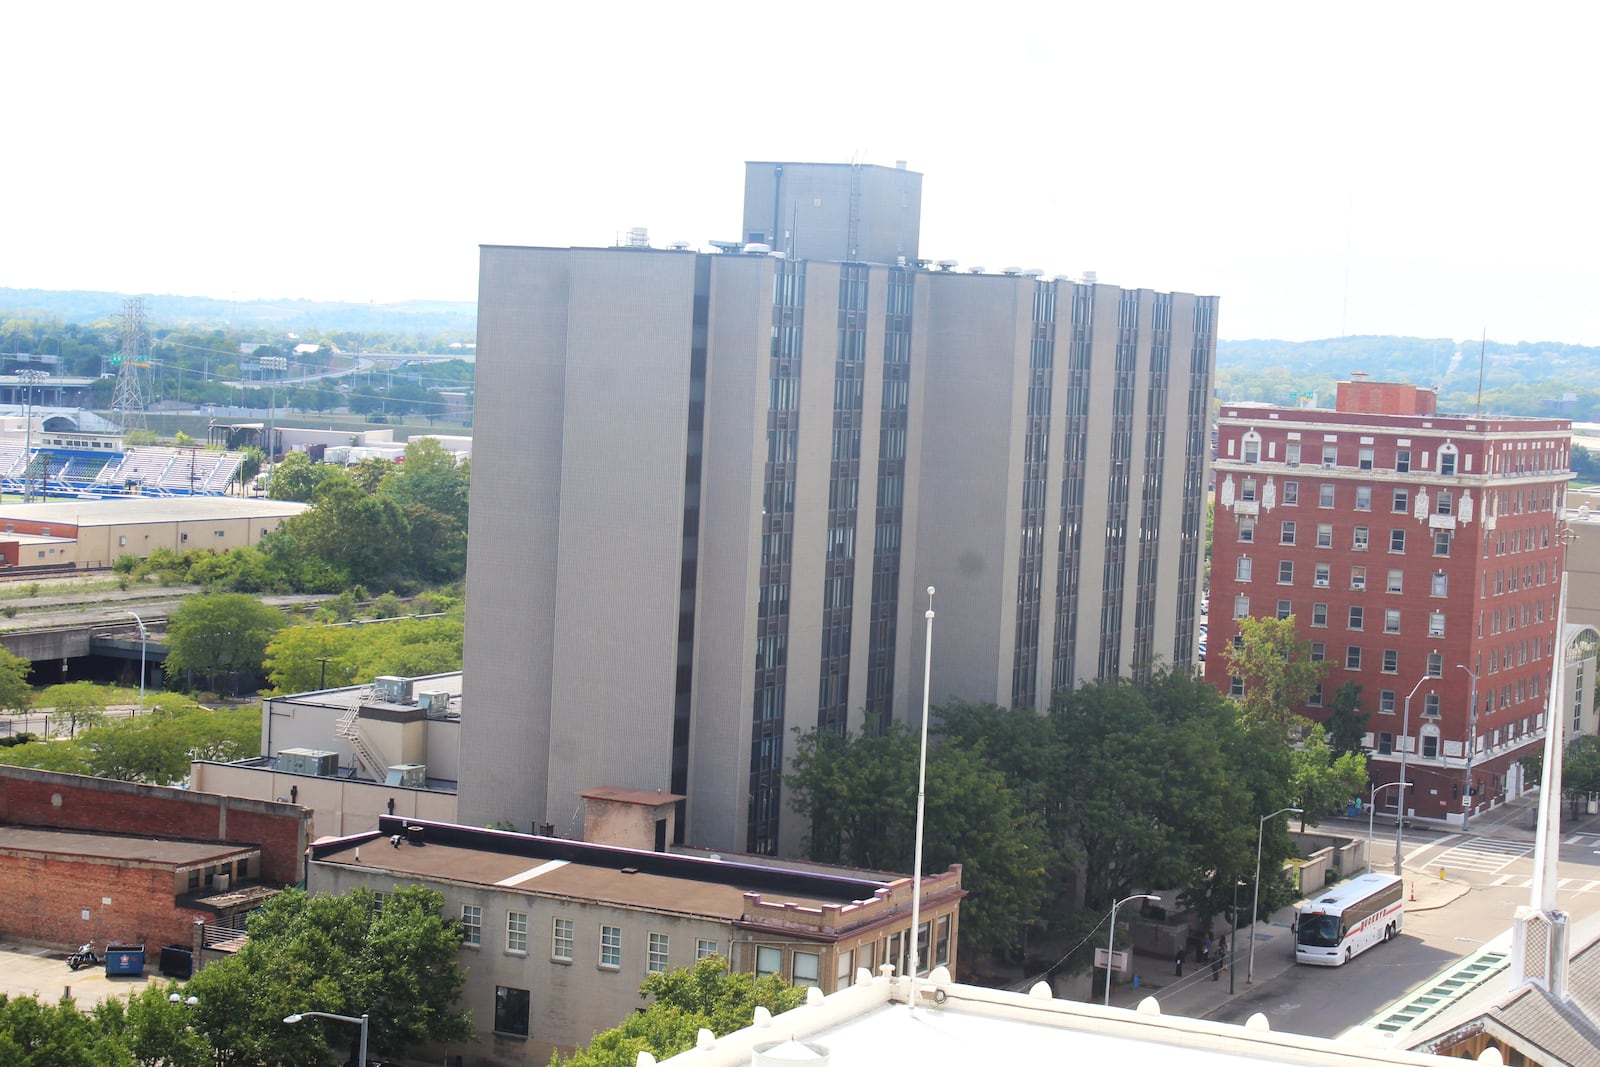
1319,931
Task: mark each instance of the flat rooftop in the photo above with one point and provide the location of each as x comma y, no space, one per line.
71,844
142,509
685,892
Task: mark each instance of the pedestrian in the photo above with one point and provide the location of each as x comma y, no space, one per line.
1222,946
1177,964
1216,967
1205,949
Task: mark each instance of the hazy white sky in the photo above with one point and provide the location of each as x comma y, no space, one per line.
1410,168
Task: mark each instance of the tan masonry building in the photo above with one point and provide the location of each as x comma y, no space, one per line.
559,934
93,533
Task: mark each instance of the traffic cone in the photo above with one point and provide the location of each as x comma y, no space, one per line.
1413,890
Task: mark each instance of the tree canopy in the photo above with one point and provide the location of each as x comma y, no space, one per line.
347,954
859,793
221,634
683,1002
1276,667
410,647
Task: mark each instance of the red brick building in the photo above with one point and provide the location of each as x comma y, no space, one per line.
1413,550
84,858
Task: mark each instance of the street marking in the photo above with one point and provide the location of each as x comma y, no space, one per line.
1588,887
1485,855
1503,879
1561,883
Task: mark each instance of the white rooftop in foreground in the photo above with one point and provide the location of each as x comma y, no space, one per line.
870,1024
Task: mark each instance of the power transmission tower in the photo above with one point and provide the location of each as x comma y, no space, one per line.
127,402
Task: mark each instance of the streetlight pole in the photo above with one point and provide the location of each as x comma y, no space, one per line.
1372,810
323,684
1233,957
144,643
361,1022
1255,904
1111,941
1472,744
1400,804
922,779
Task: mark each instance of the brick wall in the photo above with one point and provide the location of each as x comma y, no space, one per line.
74,802
47,898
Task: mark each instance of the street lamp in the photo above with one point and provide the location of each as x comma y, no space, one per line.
1233,957
361,1022
1111,940
1472,743
1400,804
1255,904
144,642
1372,810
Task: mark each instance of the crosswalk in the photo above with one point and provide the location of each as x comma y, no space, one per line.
1592,840
1563,885
1483,855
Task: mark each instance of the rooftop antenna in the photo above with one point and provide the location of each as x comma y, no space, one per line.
1483,343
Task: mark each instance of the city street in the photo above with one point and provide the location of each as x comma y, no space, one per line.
1490,870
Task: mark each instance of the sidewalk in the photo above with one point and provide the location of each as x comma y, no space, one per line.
1196,995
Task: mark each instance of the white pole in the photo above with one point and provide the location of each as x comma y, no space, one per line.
922,780
1111,941
1400,804
144,643
1255,905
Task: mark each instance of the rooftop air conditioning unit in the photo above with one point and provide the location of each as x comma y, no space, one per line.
434,701
392,690
319,762
409,775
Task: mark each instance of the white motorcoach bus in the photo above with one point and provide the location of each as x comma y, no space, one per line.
1348,919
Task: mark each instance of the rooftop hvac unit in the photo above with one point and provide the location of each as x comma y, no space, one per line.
410,775
315,761
392,690
434,701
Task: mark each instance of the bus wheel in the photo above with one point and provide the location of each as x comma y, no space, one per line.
1388,932
1347,955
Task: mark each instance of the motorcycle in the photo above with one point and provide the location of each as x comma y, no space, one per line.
84,957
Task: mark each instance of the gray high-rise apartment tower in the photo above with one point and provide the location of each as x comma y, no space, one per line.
709,491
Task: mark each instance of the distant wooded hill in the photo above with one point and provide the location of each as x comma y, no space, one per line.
83,306
1525,378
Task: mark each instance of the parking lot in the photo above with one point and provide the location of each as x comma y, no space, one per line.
28,970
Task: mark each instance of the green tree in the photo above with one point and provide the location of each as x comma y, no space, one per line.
409,647
1278,671
683,1002
365,539
1347,724
220,634
1324,780
37,1034
370,473
1580,768
159,747
338,953
295,478
79,703
15,696
155,1030
859,794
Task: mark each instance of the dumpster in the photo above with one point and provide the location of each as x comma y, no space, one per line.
177,961
124,959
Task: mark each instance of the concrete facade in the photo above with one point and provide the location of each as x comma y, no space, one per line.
710,492
560,934
1413,550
